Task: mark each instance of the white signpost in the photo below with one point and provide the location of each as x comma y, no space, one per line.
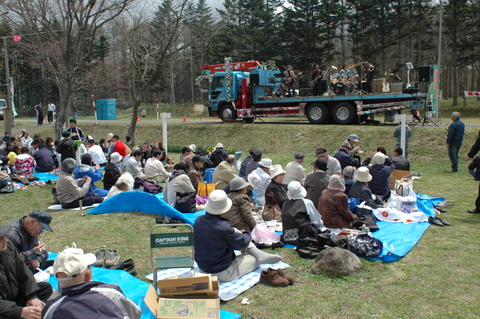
165,116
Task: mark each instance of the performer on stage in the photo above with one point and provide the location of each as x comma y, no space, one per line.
316,79
370,70
289,80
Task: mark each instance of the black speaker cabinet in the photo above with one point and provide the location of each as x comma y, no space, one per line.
425,74
254,79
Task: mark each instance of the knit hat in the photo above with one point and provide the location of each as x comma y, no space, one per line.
218,202
266,162
321,164
72,120
296,191
378,158
336,183
238,183
72,262
363,175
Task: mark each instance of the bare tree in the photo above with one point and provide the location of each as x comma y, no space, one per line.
150,45
60,37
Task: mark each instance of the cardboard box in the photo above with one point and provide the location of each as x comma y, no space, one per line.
195,298
200,282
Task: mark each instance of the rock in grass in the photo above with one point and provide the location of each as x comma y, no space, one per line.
335,262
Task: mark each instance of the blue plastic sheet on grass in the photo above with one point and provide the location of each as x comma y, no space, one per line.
398,238
133,288
45,177
137,201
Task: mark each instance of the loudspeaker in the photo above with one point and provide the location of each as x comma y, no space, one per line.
255,79
425,74
303,83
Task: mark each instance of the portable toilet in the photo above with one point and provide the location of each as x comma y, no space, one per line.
107,109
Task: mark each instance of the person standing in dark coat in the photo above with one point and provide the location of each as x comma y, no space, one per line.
20,295
370,73
456,131
67,147
39,110
219,155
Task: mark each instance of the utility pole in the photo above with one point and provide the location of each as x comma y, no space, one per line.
8,112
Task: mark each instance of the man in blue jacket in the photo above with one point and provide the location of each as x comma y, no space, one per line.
456,131
215,241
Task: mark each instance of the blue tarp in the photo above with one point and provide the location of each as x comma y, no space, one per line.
137,201
398,238
133,288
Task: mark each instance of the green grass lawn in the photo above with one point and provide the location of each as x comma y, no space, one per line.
437,279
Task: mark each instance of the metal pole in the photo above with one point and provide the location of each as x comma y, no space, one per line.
439,60
7,113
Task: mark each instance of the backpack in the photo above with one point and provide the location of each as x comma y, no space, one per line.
6,185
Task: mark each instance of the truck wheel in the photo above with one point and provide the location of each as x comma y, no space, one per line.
228,113
317,113
344,113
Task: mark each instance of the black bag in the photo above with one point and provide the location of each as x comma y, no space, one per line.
185,202
54,195
366,245
366,217
6,185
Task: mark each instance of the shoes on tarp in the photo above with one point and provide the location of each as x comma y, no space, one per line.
100,254
111,258
273,278
127,265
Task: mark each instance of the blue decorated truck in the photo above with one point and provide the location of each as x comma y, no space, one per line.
249,90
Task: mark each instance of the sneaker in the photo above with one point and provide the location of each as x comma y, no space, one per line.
111,258
290,279
100,254
473,211
273,279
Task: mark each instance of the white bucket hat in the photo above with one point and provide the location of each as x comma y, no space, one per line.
72,261
296,191
238,183
218,202
219,145
115,157
276,170
363,175
266,162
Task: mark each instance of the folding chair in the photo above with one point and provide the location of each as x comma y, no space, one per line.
180,236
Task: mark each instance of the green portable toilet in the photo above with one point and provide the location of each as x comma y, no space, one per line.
106,109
